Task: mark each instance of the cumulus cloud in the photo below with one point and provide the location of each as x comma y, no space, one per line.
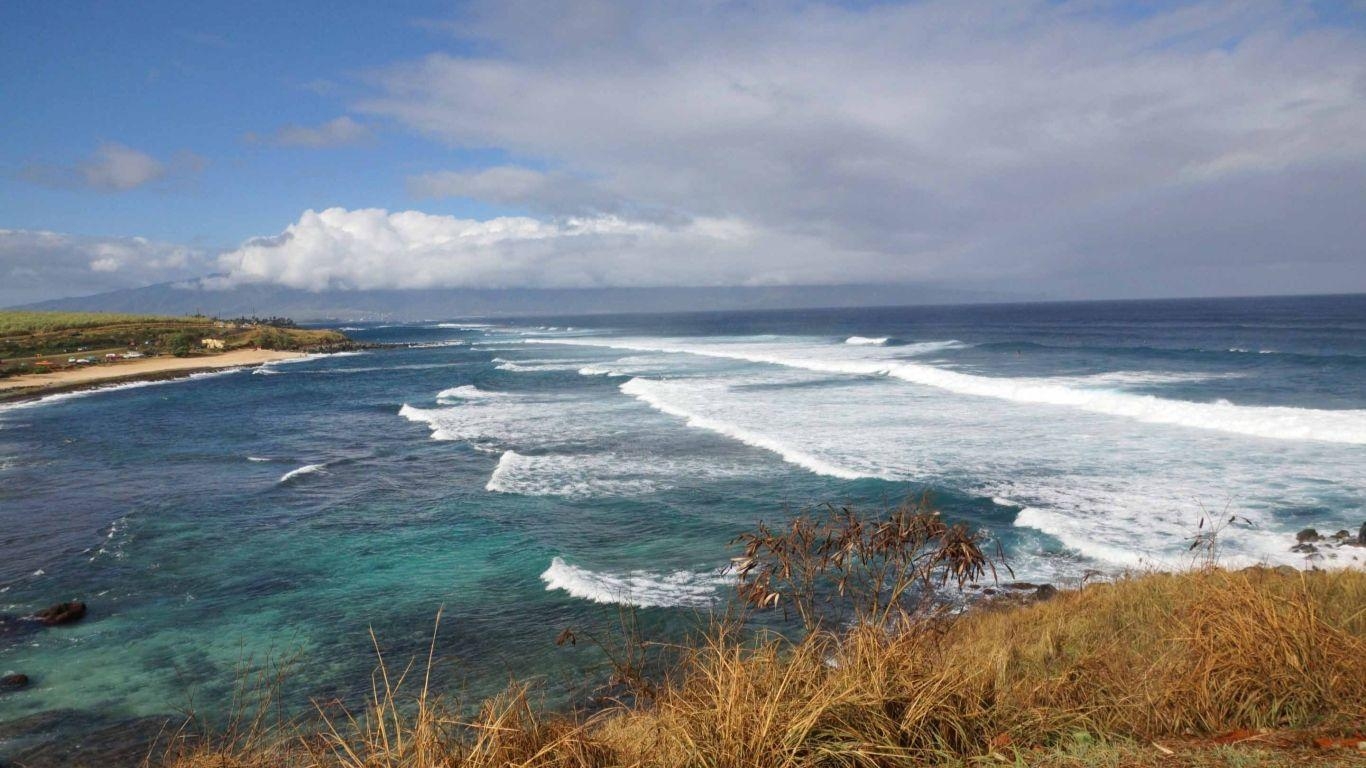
114,167
36,265
339,132
373,248
1030,143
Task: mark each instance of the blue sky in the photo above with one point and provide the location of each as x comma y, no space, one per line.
170,77
1096,149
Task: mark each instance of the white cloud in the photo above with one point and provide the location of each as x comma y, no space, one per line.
36,265
372,248
339,132
1018,142
114,167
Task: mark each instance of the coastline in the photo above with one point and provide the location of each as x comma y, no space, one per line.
35,385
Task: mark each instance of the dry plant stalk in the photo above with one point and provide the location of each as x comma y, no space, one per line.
883,570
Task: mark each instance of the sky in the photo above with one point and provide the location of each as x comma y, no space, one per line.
1068,149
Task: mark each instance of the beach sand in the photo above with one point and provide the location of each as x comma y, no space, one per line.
132,370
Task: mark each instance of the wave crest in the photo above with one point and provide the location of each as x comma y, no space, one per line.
306,469
1275,422
652,393
642,589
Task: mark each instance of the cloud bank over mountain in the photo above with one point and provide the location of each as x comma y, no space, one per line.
1062,149
1097,147
373,248
36,265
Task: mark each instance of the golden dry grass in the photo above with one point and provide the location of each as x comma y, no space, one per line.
1092,677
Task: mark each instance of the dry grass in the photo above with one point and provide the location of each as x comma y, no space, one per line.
1106,675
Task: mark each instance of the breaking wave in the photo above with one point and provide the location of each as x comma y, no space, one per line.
865,341
571,475
1275,422
642,589
508,365
652,393
468,392
306,469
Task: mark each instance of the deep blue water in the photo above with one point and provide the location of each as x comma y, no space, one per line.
533,474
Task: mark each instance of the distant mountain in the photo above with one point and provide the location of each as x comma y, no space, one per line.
183,298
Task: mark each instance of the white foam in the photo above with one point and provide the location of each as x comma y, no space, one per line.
258,458
599,370
496,422
508,365
306,469
654,394
1139,378
112,546
608,474
1274,422
437,344
639,588
571,475
468,392
464,326
269,369
1119,492
866,341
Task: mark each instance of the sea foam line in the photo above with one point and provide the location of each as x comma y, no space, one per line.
647,392
1276,422
62,396
639,588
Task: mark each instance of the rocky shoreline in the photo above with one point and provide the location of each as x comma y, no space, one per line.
1316,546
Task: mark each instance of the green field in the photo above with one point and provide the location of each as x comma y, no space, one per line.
18,322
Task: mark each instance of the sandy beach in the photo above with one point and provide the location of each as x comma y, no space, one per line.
151,367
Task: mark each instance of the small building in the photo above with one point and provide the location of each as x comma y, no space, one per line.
212,343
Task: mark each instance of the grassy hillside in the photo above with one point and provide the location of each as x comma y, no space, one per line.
1260,667
30,340
20,322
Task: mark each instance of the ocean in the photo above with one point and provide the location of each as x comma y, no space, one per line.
527,475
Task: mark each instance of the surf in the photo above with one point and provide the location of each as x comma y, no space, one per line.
642,589
1272,422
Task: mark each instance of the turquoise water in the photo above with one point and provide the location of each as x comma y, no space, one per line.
529,475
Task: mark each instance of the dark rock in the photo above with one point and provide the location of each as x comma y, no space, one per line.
61,613
1361,536
13,681
1045,592
1307,535
1307,549
1020,585
989,591
1342,535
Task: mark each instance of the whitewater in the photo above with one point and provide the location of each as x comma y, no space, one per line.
526,475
